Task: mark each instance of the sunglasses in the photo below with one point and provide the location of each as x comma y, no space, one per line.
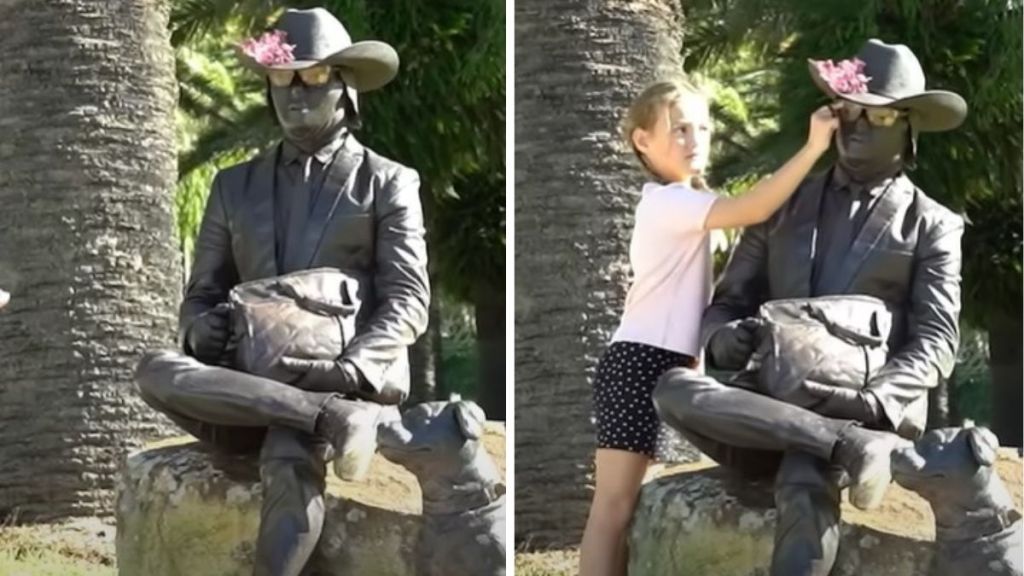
850,112
312,76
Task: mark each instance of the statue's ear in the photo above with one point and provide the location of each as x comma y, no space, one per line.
984,444
471,419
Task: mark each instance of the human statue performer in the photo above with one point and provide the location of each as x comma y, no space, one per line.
317,200
860,228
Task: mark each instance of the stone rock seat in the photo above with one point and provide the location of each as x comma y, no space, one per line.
184,509
701,520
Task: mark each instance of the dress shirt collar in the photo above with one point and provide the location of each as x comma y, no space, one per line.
292,153
842,181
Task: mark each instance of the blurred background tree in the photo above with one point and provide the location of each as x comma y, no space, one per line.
444,115
756,52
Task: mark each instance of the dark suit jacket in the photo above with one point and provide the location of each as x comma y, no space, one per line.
907,254
367,222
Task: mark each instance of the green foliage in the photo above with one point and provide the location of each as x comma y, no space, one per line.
471,222
220,118
759,49
444,113
191,194
970,387
459,354
459,361
192,19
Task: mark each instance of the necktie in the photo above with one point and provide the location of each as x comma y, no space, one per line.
836,233
860,207
307,164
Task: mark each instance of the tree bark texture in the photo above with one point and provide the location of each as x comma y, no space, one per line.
87,248
425,358
1007,367
425,353
578,65
489,313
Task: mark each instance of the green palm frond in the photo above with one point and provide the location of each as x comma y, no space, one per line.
253,130
191,19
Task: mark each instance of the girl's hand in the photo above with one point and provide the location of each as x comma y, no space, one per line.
823,124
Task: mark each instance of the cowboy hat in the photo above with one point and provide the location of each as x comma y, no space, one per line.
305,38
890,75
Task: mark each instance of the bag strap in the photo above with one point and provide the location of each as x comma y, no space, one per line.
329,307
842,331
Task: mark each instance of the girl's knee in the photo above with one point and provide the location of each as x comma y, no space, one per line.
614,510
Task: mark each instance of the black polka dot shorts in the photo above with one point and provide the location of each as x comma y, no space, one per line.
625,380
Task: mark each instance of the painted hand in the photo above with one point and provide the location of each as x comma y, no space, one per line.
323,375
845,403
732,344
209,334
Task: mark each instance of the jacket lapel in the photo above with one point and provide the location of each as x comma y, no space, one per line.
875,227
796,275
337,184
259,242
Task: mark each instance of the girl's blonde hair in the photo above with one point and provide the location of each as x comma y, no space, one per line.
647,108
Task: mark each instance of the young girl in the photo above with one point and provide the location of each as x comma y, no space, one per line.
669,128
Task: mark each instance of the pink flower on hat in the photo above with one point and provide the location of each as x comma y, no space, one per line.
845,76
269,49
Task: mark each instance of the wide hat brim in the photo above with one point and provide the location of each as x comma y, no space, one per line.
365,66
931,110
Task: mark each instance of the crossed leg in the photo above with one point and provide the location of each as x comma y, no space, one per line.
761,436
242,413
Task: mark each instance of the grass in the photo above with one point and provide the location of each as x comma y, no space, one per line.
51,551
548,563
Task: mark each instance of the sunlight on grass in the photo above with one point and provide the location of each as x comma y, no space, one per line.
548,563
22,553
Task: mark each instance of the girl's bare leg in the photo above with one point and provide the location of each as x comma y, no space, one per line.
619,476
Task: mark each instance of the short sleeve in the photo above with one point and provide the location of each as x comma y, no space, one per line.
677,208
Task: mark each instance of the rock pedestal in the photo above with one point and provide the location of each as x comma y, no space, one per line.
184,509
702,520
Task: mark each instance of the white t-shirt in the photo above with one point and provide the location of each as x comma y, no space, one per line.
670,253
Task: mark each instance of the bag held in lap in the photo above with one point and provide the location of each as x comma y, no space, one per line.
833,340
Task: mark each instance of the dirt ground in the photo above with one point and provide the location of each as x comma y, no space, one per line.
391,486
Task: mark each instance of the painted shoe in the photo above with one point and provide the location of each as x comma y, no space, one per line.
351,427
865,454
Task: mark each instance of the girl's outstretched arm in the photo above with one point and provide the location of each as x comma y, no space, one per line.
771,192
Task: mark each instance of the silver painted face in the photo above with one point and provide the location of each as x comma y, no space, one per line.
309,112
867,150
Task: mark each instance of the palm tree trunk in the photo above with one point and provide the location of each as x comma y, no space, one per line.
578,64
87,171
489,310
424,358
1007,377
425,353
939,412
